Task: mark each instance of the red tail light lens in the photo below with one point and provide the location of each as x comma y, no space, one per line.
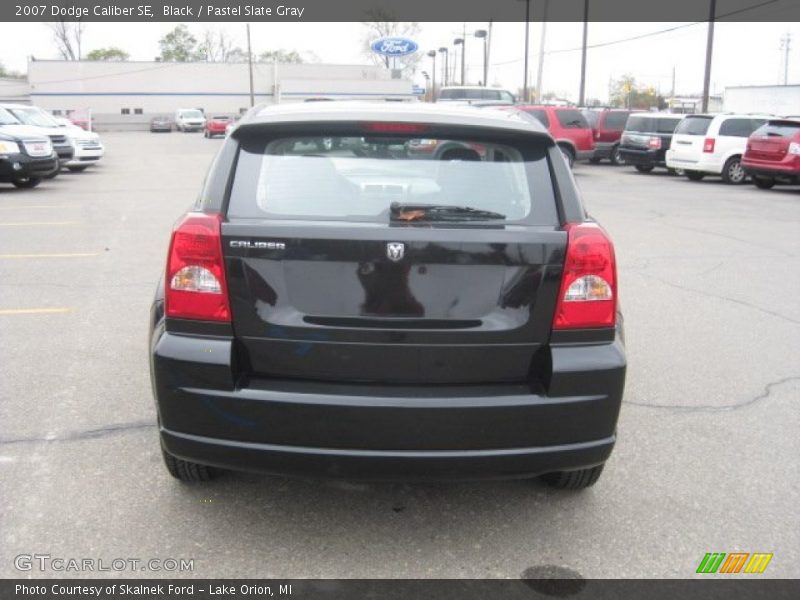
195,286
654,143
382,127
588,294
708,145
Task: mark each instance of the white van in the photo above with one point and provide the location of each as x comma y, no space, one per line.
189,119
712,145
475,94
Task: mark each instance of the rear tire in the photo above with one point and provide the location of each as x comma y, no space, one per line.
574,480
644,168
186,471
206,134
694,175
594,161
27,183
78,169
763,183
733,172
616,157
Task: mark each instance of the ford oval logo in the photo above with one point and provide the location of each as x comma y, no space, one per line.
394,46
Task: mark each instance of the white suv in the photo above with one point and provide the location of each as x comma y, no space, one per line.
712,145
189,119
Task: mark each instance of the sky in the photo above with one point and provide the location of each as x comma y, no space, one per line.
744,53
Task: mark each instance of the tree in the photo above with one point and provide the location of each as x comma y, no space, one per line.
112,53
282,56
217,46
10,74
67,37
179,45
627,92
381,25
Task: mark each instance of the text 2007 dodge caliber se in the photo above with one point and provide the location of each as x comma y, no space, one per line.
342,303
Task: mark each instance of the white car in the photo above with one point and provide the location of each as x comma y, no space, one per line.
88,147
475,94
712,145
189,119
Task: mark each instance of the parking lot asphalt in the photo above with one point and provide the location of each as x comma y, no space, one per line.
708,457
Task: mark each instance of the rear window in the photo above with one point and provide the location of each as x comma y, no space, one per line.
648,124
785,129
359,179
739,127
615,120
572,119
475,94
693,126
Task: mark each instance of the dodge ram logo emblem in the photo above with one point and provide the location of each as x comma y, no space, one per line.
395,251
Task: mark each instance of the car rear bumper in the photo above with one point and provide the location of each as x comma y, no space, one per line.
209,415
634,156
703,164
784,170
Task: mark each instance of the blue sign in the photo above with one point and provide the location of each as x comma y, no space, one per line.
394,46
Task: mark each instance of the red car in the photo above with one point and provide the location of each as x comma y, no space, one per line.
216,126
568,126
607,126
773,153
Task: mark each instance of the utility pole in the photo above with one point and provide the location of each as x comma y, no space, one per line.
541,55
463,53
487,55
527,37
250,67
672,89
582,93
712,12
786,42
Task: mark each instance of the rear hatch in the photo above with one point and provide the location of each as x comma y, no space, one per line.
575,128
770,143
351,258
647,132
611,126
687,142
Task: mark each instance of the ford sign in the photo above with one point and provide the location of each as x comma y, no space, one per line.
394,46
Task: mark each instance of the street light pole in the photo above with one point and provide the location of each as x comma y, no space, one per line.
709,50
446,65
460,42
482,34
250,67
541,54
463,53
432,54
582,92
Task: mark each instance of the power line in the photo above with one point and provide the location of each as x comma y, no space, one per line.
646,35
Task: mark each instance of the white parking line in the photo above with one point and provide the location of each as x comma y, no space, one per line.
33,311
64,255
38,223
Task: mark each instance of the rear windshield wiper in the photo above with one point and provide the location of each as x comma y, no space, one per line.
439,212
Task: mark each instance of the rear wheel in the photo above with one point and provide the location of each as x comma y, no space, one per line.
206,134
763,183
694,175
27,182
574,480
187,471
644,168
616,156
594,160
733,172
569,155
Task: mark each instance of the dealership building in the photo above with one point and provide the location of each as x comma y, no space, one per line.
125,95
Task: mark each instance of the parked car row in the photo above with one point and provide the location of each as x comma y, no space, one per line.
193,119
35,145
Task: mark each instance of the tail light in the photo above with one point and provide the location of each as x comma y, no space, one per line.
708,145
588,294
597,134
195,286
399,128
654,143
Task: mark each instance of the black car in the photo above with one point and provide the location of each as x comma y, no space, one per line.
646,139
30,116
26,159
356,311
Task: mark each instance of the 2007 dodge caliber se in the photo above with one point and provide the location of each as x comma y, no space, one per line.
340,304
